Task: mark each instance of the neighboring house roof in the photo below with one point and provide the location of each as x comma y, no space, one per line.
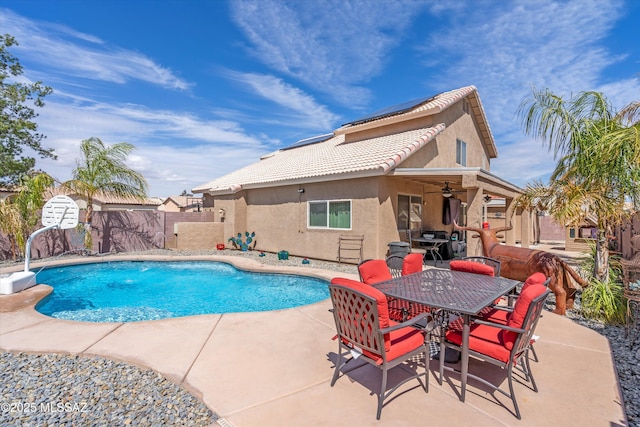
330,158
107,199
183,201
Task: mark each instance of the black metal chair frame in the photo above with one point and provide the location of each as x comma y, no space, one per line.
395,262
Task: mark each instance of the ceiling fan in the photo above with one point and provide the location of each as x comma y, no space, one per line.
447,191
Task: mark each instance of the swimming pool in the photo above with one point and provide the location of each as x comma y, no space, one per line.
127,291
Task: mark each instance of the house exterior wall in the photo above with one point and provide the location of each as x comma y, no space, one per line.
441,153
170,206
278,216
574,240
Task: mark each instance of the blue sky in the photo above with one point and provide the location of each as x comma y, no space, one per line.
202,88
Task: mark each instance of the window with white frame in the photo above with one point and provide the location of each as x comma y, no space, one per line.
461,152
332,214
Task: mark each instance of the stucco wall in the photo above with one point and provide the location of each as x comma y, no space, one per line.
194,235
278,216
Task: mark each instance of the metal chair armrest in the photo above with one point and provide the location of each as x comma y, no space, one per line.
499,326
410,322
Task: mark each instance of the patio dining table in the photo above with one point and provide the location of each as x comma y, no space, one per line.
432,245
465,294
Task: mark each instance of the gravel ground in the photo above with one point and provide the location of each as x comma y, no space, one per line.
63,390
116,393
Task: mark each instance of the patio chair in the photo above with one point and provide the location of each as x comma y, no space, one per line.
363,326
473,266
487,261
375,270
501,313
504,345
394,262
412,263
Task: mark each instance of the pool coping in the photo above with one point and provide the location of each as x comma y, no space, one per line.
270,368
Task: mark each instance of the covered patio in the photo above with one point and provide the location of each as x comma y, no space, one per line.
475,188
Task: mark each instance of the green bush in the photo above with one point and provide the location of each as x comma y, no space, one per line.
603,300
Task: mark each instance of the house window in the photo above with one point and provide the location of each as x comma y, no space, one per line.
330,214
409,212
461,152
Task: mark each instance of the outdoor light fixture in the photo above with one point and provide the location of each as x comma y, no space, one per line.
487,198
300,190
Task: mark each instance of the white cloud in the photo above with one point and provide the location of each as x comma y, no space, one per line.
333,46
82,55
301,109
505,47
174,148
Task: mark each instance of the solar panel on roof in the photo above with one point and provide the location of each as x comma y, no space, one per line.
390,111
309,141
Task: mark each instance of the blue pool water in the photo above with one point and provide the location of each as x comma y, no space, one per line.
127,291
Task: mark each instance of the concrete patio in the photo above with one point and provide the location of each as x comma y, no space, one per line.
274,368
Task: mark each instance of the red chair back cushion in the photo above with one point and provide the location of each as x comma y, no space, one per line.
520,309
374,271
381,299
472,267
412,263
538,278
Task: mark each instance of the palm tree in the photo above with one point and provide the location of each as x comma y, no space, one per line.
598,170
19,214
102,169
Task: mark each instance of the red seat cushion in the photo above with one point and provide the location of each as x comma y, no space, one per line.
472,267
520,309
483,339
412,263
402,342
374,271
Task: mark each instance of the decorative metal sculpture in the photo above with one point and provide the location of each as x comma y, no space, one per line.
519,263
243,245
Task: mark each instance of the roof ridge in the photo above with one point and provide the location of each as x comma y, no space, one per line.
414,146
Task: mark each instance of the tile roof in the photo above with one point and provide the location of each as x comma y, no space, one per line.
335,159
183,201
331,158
